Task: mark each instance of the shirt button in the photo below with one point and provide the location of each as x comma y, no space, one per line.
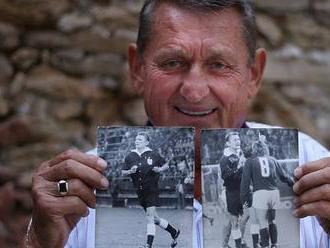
140,187
140,179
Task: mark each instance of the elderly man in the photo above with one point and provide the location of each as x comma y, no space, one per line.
195,64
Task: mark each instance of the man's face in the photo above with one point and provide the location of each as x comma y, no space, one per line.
234,141
141,142
195,69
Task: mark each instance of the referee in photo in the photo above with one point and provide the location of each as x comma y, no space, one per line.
231,164
144,165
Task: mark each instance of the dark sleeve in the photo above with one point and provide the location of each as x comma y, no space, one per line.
160,161
246,181
283,174
129,162
227,169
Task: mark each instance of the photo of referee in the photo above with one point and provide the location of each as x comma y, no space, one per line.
252,171
149,163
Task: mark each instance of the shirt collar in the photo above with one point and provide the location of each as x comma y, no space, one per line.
147,149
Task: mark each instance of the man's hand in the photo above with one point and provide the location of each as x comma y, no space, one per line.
133,169
245,205
54,216
313,191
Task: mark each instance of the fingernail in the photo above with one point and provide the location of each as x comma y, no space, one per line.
102,163
295,202
104,182
297,172
295,213
295,188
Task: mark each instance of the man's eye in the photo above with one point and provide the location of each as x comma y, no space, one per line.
217,65
171,64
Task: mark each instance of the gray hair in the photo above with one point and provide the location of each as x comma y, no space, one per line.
243,6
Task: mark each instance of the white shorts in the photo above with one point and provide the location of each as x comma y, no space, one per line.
266,199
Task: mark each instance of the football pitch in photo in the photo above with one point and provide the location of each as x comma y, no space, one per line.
288,231
126,228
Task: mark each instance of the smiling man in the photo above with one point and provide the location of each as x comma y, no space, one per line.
195,64
194,69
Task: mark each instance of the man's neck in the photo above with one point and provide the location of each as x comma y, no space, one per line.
141,150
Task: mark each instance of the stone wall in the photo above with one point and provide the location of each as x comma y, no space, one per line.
63,72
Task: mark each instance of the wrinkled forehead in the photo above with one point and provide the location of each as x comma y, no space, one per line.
211,32
172,16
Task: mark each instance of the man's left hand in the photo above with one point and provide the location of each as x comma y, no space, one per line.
313,191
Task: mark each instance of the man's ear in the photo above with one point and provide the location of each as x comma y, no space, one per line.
257,71
135,69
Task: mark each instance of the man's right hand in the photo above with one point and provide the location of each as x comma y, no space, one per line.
54,216
133,169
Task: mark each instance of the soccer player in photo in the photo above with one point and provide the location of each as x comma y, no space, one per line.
262,171
144,165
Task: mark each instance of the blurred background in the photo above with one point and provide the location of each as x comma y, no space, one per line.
63,71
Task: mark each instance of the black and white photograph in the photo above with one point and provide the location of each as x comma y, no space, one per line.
149,202
247,179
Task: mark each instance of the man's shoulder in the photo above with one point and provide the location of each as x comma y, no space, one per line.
154,154
272,159
224,158
150,152
131,155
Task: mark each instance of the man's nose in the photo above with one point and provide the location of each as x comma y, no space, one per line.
194,86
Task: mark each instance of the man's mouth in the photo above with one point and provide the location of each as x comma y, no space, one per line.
196,113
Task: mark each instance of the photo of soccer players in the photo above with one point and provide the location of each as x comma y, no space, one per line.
247,179
151,188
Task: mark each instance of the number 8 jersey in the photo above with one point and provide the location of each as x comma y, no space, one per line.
264,173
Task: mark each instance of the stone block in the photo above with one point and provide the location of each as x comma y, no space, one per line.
306,32
9,37
6,69
94,41
67,110
282,5
74,62
24,58
74,21
296,71
269,29
33,14
53,83
47,39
